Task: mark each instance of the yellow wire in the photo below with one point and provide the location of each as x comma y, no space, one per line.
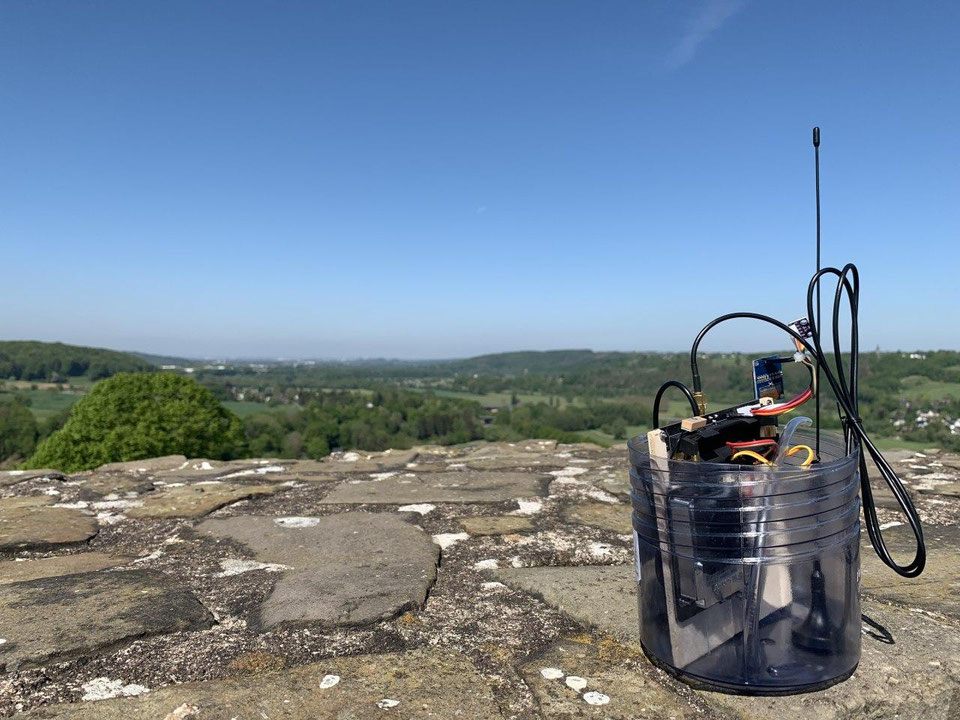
752,454
810,453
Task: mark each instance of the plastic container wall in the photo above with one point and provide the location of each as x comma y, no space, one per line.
748,578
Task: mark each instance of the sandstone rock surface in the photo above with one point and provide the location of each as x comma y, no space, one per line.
17,571
346,569
419,685
439,487
59,617
29,523
193,501
219,602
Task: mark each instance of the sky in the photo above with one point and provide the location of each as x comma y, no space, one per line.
444,179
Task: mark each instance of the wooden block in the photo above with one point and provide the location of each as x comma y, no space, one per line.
693,423
768,431
656,445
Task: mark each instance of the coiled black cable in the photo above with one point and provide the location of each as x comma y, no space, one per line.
845,390
844,386
663,388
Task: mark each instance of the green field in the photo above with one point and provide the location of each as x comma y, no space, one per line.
920,389
244,408
47,403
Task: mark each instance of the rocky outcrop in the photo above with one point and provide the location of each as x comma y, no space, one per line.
479,581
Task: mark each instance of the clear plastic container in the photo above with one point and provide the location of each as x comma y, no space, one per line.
748,578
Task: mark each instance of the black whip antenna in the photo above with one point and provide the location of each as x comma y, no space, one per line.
816,162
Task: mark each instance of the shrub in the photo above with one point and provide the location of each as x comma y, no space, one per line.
131,417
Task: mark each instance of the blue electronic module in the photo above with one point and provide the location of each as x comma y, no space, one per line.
768,377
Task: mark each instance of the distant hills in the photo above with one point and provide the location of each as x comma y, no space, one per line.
55,362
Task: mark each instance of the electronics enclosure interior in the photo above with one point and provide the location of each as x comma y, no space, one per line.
748,577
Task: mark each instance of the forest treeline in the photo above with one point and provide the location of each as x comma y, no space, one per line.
57,362
309,410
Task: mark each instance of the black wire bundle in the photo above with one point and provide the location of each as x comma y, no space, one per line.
844,386
663,388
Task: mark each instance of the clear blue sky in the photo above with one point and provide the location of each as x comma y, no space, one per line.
437,179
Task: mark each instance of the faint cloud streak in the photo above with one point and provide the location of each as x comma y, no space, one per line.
710,16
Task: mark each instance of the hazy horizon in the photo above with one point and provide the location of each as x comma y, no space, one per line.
413,359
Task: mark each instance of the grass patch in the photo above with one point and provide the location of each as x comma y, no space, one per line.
245,408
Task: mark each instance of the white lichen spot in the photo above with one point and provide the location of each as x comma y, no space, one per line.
551,673
602,496
239,473
528,507
147,558
296,522
490,564
387,703
329,681
232,566
445,540
422,508
113,503
109,518
600,550
568,472
103,688
596,698
184,711
494,585
575,682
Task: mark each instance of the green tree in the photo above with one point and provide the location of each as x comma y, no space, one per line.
130,417
18,431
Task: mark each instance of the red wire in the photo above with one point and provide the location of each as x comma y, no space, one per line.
797,401
768,445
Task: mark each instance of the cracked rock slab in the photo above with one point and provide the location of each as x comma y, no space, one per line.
358,461
193,501
606,516
12,571
496,524
14,477
604,596
620,677
514,460
348,569
417,685
938,587
912,677
29,523
167,462
466,487
76,615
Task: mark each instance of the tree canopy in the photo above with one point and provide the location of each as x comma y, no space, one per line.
31,360
136,416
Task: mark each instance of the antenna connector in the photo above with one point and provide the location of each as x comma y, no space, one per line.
701,401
